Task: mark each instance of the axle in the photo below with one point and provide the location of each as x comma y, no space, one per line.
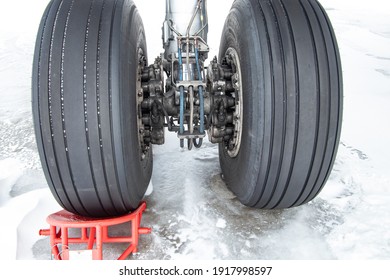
188,107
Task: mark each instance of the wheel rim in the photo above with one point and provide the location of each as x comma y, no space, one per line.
233,146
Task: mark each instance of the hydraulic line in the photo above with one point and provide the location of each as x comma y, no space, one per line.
189,76
181,89
203,19
198,5
191,92
191,100
201,111
181,115
191,121
180,60
197,62
201,101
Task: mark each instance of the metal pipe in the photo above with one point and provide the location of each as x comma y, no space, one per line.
180,59
188,59
181,110
181,88
192,18
189,16
197,62
200,30
202,17
201,101
201,112
191,121
191,100
172,28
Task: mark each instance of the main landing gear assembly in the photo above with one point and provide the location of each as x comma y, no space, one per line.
271,100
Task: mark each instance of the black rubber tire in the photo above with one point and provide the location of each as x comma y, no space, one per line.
85,108
292,101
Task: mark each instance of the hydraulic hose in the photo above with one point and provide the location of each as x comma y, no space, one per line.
181,89
181,110
201,101
180,61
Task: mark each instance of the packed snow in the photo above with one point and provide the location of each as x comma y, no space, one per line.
192,214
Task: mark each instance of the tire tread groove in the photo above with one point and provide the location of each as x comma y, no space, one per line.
110,104
49,90
318,102
297,106
63,111
269,155
98,106
85,101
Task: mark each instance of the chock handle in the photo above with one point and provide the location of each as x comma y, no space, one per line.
45,232
144,230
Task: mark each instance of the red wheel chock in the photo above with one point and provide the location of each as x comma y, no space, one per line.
60,223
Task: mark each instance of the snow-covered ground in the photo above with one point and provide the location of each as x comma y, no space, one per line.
192,214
